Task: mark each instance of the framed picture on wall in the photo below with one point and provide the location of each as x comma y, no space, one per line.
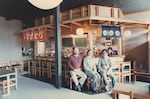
108,43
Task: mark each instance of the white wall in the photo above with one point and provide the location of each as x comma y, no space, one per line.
143,16
10,40
137,38
129,6
136,46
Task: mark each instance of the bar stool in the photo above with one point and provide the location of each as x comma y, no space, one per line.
48,63
31,67
38,67
45,68
51,66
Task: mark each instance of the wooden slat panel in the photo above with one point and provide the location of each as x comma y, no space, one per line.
46,20
64,16
76,13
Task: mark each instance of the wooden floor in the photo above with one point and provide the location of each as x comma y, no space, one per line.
33,89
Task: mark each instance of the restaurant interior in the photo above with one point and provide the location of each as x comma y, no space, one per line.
37,39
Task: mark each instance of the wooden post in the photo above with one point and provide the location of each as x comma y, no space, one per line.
122,43
90,37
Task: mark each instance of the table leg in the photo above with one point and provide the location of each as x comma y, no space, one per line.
113,95
8,85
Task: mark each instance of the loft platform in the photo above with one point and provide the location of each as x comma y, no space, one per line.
93,15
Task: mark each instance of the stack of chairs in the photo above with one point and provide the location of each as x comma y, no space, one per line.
12,80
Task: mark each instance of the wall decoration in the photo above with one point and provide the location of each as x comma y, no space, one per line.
111,31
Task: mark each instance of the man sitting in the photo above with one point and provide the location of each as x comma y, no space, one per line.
75,64
91,70
104,66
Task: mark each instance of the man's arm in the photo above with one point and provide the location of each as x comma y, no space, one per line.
69,63
86,65
110,64
99,66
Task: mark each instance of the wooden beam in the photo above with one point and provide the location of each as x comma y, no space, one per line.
99,22
135,26
37,27
76,20
66,26
78,24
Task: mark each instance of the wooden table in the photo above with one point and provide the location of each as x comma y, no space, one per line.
139,92
6,73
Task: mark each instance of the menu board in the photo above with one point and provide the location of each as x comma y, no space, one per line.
67,42
80,42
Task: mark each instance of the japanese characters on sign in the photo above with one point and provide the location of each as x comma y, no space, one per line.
34,35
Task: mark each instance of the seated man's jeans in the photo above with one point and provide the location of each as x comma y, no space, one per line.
104,76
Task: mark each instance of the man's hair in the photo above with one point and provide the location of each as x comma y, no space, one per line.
109,48
88,51
74,48
103,51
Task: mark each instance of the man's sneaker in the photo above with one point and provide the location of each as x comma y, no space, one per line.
78,88
106,88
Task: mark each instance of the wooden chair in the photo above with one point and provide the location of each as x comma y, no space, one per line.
115,70
13,78
126,70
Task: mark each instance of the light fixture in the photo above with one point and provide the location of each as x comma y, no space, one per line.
79,31
45,4
127,33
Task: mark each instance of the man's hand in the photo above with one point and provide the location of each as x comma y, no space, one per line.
108,72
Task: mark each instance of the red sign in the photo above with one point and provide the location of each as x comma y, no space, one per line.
34,35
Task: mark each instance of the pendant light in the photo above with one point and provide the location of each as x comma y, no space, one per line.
45,4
